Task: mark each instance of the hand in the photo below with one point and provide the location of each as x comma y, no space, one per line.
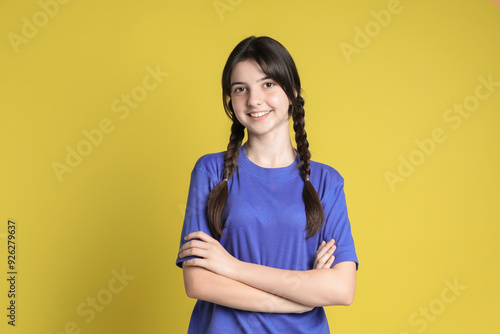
212,256
324,255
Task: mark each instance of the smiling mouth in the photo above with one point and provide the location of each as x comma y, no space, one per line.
259,114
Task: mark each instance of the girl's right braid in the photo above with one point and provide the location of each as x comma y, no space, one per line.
217,198
233,149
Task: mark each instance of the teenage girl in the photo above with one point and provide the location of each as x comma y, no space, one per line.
266,241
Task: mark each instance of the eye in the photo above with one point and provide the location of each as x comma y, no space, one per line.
239,89
269,84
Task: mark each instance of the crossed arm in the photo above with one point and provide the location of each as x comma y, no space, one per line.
218,277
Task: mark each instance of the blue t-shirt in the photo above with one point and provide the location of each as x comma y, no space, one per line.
265,225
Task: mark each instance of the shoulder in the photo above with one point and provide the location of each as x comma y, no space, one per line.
211,164
326,172
325,178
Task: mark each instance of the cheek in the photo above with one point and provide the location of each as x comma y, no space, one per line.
239,108
238,105
280,101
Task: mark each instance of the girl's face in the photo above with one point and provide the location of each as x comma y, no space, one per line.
259,103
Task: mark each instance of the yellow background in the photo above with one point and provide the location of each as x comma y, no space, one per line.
121,207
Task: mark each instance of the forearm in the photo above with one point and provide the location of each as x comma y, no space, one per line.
205,285
319,287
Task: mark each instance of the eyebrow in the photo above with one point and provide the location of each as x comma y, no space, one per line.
243,83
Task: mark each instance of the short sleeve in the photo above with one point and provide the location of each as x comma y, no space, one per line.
195,218
337,224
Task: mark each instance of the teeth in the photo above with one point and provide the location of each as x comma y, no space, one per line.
259,114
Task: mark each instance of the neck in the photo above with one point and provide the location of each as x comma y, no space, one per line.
271,151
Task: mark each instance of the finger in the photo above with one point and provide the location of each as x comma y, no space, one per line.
332,250
193,252
320,252
330,262
330,243
319,263
322,262
193,244
324,247
327,245
194,247
329,248
194,263
199,235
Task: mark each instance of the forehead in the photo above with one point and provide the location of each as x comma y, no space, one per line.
247,71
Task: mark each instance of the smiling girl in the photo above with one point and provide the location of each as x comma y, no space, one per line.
266,241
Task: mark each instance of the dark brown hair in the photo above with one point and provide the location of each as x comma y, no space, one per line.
276,63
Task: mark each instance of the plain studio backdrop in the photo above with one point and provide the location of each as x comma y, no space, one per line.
106,106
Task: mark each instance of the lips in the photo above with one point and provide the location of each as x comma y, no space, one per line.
258,114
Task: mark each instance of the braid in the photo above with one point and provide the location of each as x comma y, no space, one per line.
233,149
301,138
217,198
314,209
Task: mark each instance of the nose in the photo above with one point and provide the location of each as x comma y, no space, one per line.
254,97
